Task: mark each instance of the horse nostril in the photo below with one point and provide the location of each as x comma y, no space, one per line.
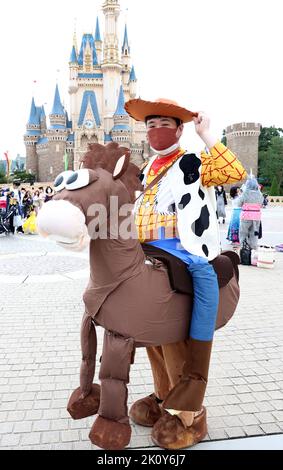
73,178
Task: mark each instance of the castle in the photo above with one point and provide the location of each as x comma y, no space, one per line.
243,140
102,78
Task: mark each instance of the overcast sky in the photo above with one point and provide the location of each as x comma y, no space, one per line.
220,56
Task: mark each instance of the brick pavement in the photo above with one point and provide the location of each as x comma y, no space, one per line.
40,358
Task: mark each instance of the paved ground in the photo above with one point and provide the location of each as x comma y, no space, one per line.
41,288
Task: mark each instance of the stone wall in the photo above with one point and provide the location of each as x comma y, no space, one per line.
243,140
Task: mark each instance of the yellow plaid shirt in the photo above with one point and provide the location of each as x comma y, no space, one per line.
219,167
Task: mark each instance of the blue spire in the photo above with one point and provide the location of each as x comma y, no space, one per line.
87,38
73,57
97,31
57,106
133,77
120,111
42,115
34,117
126,41
94,56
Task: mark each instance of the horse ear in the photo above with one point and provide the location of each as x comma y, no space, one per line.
121,166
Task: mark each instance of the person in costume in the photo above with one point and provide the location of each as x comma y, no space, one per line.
178,215
251,204
29,225
234,226
221,203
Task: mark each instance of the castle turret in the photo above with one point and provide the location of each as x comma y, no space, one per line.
133,83
43,126
98,42
111,65
243,140
121,131
31,138
126,58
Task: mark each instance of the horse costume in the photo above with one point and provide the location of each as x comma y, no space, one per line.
129,292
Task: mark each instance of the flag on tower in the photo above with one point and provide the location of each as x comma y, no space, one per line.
66,161
6,155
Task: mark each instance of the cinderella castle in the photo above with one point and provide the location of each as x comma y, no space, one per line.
102,78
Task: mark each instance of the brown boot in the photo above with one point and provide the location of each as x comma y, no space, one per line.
170,433
147,412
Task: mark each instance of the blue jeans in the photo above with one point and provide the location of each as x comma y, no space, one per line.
206,289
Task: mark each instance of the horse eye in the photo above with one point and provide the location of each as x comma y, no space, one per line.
78,180
73,178
60,182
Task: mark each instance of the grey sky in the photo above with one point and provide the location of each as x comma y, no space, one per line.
220,56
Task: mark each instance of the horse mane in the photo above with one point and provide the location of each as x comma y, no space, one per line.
106,157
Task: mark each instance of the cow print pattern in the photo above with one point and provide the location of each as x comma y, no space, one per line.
201,194
190,166
172,209
205,250
202,224
186,199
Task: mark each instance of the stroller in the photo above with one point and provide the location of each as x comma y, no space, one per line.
6,217
5,221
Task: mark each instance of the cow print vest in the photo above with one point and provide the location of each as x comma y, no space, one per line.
180,191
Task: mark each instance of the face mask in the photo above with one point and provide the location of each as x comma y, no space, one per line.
163,140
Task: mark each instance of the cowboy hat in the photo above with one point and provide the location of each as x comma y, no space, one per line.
140,109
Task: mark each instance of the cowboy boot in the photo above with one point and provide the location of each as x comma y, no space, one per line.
147,411
171,432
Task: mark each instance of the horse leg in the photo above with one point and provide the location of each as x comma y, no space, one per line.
112,430
85,400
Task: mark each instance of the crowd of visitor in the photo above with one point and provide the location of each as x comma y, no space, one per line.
19,206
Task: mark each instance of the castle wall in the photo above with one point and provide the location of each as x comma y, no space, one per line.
243,140
51,161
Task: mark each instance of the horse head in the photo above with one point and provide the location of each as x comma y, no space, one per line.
73,215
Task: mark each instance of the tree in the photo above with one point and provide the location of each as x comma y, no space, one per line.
23,176
274,190
266,136
271,162
3,177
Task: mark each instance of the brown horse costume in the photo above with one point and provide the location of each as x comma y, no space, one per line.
132,300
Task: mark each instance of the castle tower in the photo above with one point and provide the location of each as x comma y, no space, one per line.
73,86
31,138
98,42
121,131
243,140
126,58
57,134
111,65
133,83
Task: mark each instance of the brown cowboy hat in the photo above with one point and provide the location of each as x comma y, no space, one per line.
140,109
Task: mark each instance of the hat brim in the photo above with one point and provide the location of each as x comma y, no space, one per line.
139,110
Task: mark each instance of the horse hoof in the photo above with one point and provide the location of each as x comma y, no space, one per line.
110,435
146,412
80,408
171,434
